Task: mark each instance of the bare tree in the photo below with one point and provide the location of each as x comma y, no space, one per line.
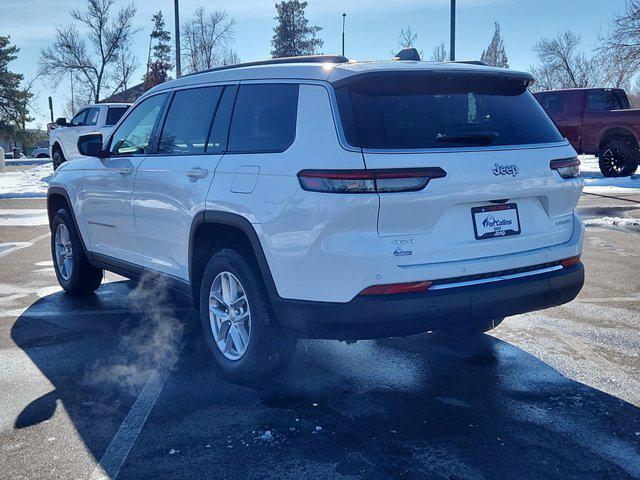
206,39
125,67
619,52
439,53
92,59
407,39
562,65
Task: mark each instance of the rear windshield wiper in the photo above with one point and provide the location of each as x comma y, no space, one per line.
479,137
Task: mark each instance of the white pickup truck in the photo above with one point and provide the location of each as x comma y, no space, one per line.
63,135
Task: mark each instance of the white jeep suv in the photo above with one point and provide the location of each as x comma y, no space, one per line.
317,197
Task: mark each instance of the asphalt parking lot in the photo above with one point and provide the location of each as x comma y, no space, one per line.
120,384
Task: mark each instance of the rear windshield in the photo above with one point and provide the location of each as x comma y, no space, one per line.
441,111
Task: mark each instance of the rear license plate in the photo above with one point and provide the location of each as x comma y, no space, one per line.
494,221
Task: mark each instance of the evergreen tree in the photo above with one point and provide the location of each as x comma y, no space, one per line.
495,54
292,35
160,62
14,100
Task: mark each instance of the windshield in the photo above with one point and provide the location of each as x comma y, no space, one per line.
395,111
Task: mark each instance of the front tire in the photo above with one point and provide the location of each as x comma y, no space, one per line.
74,272
238,323
618,158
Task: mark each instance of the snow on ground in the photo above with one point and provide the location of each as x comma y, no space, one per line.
595,182
31,183
615,221
26,217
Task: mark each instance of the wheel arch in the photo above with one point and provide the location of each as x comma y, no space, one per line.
57,198
616,132
211,230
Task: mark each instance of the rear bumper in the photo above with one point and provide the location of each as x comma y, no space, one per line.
410,313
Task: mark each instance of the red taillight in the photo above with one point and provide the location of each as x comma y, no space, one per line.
570,262
396,288
566,167
368,181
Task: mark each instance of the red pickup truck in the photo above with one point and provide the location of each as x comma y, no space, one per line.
598,121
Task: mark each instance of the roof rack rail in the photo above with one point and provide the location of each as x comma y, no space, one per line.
278,61
471,62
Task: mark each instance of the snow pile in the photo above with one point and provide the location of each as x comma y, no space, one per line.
26,161
613,221
595,182
31,183
23,217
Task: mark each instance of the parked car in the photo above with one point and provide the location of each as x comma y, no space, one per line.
598,121
11,156
40,152
63,139
315,197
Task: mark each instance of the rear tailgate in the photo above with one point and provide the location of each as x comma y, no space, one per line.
436,224
493,140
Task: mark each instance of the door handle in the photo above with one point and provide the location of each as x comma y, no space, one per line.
125,170
197,172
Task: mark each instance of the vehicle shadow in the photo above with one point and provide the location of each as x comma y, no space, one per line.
426,406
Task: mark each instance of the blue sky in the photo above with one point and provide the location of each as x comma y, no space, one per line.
373,27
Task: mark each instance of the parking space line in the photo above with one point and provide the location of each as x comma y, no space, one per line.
20,245
127,434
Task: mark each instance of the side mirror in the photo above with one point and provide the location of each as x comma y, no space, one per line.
90,145
61,122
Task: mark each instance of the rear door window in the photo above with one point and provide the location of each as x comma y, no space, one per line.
92,117
416,111
114,114
599,100
264,118
188,121
553,103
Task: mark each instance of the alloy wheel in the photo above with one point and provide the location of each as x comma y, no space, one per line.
229,315
64,251
613,160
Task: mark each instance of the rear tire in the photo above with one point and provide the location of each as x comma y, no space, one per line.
57,158
237,320
618,158
74,272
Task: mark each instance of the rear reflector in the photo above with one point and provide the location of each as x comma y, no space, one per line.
570,262
396,288
566,167
368,181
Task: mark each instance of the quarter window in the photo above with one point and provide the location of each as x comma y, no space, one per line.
134,133
264,118
188,122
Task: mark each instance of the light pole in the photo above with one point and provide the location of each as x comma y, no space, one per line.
344,17
177,28
452,41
